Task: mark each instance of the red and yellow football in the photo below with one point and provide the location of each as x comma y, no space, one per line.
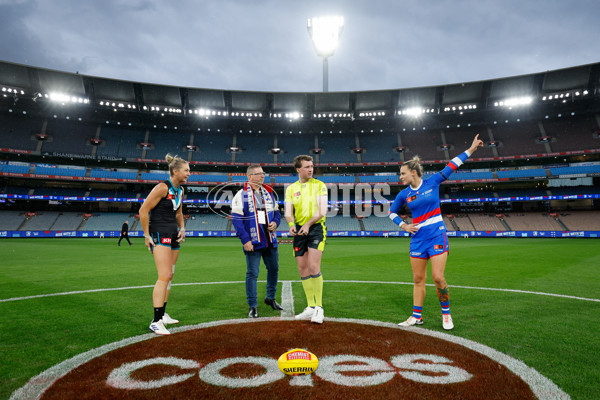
298,362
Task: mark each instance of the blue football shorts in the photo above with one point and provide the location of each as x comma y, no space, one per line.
431,247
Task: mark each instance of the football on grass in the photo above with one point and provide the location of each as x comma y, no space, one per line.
298,362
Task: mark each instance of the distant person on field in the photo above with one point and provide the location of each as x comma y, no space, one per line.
161,217
124,233
305,210
255,216
429,240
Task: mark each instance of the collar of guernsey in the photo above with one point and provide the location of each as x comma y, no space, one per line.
177,192
304,198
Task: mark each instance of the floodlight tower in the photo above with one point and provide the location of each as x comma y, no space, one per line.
325,33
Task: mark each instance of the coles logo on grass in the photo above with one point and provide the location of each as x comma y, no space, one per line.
238,359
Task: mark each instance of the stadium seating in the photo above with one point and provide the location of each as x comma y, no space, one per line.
67,221
342,223
256,148
212,147
523,173
16,169
206,222
18,131
11,220
208,178
581,220
59,171
572,133
587,169
379,147
378,178
167,142
374,223
43,221
337,179
69,137
518,138
112,174
156,176
531,221
463,222
486,222
292,145
108,221
471,175
285,179
121,142
337,149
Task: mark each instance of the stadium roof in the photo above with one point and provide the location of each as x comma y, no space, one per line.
566,85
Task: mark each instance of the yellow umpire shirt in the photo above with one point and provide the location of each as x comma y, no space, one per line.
304,198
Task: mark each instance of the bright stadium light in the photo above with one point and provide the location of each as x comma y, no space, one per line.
325,33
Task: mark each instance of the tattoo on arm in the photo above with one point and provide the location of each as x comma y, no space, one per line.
443,294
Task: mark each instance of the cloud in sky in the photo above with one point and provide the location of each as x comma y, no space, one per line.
263,45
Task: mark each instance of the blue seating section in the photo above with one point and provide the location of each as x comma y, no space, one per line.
156,176
585,169
337,179
378,178
208,178
471,175
108,174
41,170
16,169
243,178
285,179
523,173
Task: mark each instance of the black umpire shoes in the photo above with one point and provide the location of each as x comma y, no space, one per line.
274,305
253,312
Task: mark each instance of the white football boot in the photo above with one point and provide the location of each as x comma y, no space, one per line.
447,323
166,319
411,321
159,328
306,314
318,316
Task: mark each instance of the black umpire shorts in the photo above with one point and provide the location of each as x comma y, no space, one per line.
317,234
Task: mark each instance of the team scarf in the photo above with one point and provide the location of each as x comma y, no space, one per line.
265,192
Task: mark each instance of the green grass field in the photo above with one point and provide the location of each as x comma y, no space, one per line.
558,336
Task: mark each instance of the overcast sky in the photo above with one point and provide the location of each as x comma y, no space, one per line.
264,45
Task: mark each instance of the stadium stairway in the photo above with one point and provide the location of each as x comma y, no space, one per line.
562,224
82,224
362,225
505,224
55,219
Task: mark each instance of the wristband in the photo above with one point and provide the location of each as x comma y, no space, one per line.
148,236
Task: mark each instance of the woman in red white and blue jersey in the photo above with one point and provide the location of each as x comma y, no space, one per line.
429,241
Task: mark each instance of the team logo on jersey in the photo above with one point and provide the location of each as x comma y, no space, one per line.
297,194
411,198
165,240
171,196
438,247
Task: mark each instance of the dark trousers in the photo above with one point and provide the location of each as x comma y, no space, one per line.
270,256
126,237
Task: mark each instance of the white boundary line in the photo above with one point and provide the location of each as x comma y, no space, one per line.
287,300
541,386
290,282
